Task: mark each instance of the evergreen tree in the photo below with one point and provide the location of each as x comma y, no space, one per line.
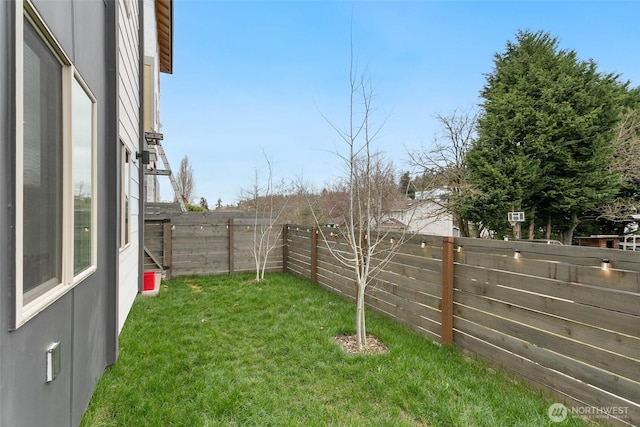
544,136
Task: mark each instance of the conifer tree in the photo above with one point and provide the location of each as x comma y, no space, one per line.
544,136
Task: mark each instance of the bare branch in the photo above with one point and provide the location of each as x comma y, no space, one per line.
185,181
443,165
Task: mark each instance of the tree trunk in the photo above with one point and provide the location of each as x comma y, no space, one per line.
515,230
360,324
532,224
568,237
463,226
548,231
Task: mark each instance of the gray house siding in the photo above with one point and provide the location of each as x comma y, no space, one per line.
83,320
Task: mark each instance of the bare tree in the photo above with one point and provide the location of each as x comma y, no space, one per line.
443,165
367,200
625,161
185,181
268,203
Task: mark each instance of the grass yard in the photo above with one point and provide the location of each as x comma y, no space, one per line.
226,351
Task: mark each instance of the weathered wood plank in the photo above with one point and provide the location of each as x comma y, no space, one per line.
606,319
408,308
609,371
618,343
585,275
578,255
408,293
417,270
298,271
431,286
612,299
569,390
421,320
336,286
336,281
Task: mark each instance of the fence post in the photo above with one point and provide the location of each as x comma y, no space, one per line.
314,254
231,260
446,333
285,248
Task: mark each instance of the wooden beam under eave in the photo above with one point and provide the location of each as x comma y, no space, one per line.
164,33
164,24
163,11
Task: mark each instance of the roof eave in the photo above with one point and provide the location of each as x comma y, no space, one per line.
164,25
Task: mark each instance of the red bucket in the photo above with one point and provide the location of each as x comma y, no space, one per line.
149,282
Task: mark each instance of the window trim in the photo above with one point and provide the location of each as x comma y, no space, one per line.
94,182
24,312
125,191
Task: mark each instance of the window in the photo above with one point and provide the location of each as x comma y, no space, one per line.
125,196
55,170
83,110
41,166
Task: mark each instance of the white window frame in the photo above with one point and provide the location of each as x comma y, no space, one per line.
125,191
94,182
26,311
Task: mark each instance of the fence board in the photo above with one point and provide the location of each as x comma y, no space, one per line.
415,267
597,296
298,268
593,365
618,343
585,275
578,255
336,286
338,272
337,275
410,290
602,318
406,310
575,392
300,260
418,323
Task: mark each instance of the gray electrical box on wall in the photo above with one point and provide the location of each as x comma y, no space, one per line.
53,362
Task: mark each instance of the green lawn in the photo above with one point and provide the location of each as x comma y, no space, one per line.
226,351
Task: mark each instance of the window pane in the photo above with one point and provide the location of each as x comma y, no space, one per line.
42,166
126,180
82,120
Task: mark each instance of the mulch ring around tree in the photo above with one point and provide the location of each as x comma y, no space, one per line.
349,344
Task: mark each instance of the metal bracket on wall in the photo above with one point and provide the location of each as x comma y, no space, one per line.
53,361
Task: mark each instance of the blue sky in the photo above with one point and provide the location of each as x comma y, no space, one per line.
254,78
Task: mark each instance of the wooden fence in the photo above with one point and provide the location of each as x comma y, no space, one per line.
550,314
185,243
555,315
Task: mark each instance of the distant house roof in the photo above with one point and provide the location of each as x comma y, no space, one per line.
405,205
431,194
392,223
164,22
